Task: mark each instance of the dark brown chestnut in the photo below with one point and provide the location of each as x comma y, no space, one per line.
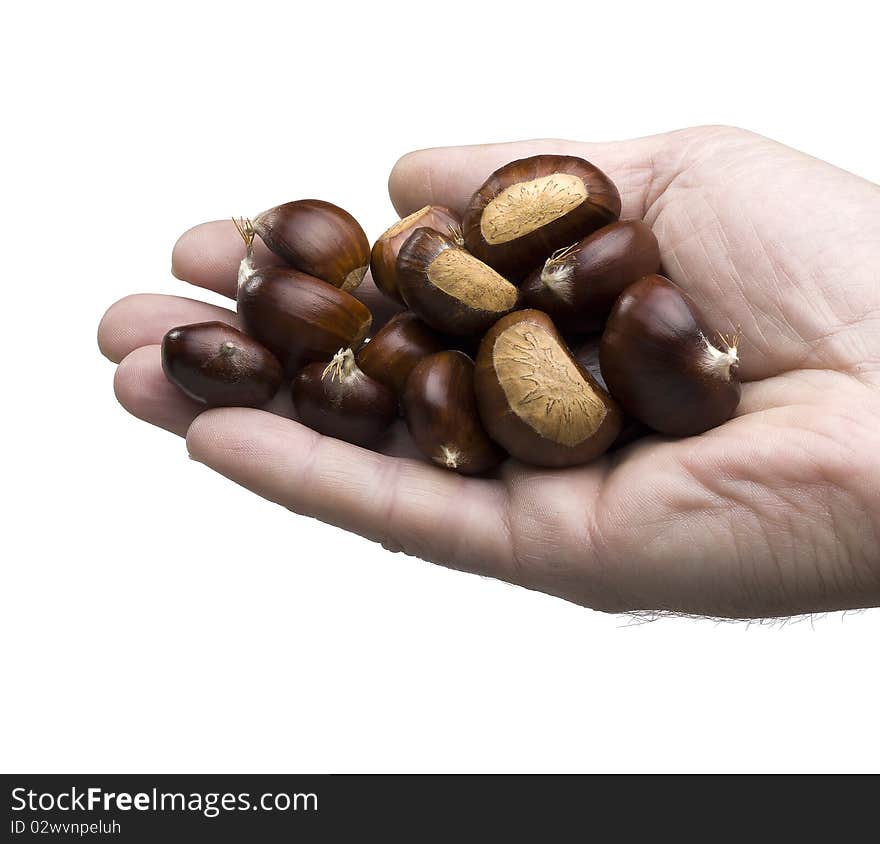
529,208
383,258
441,413
298,317
536,400
447,287
660,365
396,348
578,285
219,366
317,238
339,400
587,355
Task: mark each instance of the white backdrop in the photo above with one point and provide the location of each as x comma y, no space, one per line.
158,618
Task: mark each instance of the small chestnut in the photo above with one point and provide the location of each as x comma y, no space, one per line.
317,238
447,287
219,366
659,364
298,317
339,400
578,285
396,348
529,208
536,400
441,413
383,258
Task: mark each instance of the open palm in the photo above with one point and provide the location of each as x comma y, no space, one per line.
774,513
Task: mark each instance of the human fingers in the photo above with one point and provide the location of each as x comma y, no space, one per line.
143,390
407,505
142,319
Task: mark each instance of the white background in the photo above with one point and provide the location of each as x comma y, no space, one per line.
157,618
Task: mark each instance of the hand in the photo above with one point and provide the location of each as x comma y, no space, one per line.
774,513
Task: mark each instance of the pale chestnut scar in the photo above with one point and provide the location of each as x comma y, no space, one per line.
354,278
543,387
472,282
527,206
409,220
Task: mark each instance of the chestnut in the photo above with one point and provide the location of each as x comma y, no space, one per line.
447,287
219,366
578,285
317,238
339,400
383,258
659,364
529,208
397,347
536,400
298,317
441,413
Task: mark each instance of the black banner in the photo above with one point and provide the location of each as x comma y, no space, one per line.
195,808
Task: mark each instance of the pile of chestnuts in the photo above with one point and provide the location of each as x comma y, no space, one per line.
535,326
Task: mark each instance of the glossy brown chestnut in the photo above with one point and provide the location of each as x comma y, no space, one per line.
441,413
219,366
529,208
660,365
383,258
447,287
339,400
300,318
317,238
396,348
536,400
587,355
578,285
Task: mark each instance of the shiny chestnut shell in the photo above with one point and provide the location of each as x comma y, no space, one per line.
396,348
383,258
298,317
219,366
578,286
659,363
441,413
529,208
447,287
536,400
317,238
339,400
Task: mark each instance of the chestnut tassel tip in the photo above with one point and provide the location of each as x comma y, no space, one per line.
456,234
558,272
245,229
450,457
721,363
341,366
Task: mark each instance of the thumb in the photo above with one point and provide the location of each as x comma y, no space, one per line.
641,168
